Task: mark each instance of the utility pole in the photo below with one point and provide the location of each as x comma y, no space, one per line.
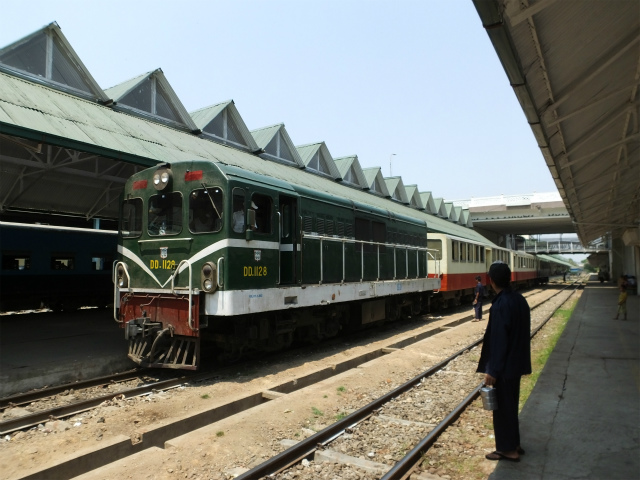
390,157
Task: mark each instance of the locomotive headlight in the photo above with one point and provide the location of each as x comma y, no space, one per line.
122,277
208,277
162,178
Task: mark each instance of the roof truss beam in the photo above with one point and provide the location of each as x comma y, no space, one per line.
596,69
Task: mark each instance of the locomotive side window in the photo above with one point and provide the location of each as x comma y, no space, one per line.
262,205
455,253
286,221
16,262
238,223
205,210
131,219
165,214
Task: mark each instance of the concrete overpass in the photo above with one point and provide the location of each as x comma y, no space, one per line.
503,217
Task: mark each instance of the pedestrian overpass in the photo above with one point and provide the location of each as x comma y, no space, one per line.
503,217
565,246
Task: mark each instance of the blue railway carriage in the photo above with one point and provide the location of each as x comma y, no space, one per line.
62,268
250,262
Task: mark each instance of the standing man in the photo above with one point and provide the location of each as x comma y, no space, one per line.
477,300
505,357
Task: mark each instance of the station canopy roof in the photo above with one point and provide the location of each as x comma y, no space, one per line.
68,147
575,69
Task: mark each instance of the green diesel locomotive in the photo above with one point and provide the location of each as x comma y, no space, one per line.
255,259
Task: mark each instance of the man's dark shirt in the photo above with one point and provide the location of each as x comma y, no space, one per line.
506,349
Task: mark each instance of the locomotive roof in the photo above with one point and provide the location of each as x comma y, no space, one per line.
325,186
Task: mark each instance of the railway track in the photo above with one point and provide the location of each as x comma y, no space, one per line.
93,392
374,439
159,436
122,390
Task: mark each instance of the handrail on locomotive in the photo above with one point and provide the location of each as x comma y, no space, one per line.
344,241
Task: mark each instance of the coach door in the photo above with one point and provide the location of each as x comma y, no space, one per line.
289,254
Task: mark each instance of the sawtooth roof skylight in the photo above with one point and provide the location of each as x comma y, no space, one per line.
427,201
395,186
150,95
222,123
47,57
375,181
317,158
277,145
351,171
414,197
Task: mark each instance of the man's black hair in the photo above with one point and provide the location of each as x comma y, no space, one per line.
500,273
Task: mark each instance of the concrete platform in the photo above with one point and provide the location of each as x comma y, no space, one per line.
38,349
582,420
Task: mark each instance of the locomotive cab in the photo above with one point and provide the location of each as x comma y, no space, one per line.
159,278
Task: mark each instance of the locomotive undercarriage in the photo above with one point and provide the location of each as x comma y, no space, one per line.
273,331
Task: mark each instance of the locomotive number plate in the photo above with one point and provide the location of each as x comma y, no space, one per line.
162,264
256,271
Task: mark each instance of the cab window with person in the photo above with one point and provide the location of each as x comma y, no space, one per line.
205,210
261,205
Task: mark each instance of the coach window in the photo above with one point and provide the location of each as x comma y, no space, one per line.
62,262
16,262
165,214
261,204
454,251
435,249
101,262
131,218
205,210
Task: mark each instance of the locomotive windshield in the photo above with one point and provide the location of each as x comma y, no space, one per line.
205,210
165,214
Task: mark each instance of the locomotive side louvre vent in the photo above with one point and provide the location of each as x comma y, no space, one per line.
308,227
340,226
349,230
329,227
320,225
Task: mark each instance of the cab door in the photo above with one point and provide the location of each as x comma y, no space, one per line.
289,240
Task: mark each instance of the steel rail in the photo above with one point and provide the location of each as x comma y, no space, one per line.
305,448
22,398
405,466
78,407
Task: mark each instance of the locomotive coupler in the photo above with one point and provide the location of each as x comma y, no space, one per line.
141,327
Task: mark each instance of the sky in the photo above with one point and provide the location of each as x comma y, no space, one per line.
411,86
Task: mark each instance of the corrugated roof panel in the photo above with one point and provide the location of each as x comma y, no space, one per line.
150,140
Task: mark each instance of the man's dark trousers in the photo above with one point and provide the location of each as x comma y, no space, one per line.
505,418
